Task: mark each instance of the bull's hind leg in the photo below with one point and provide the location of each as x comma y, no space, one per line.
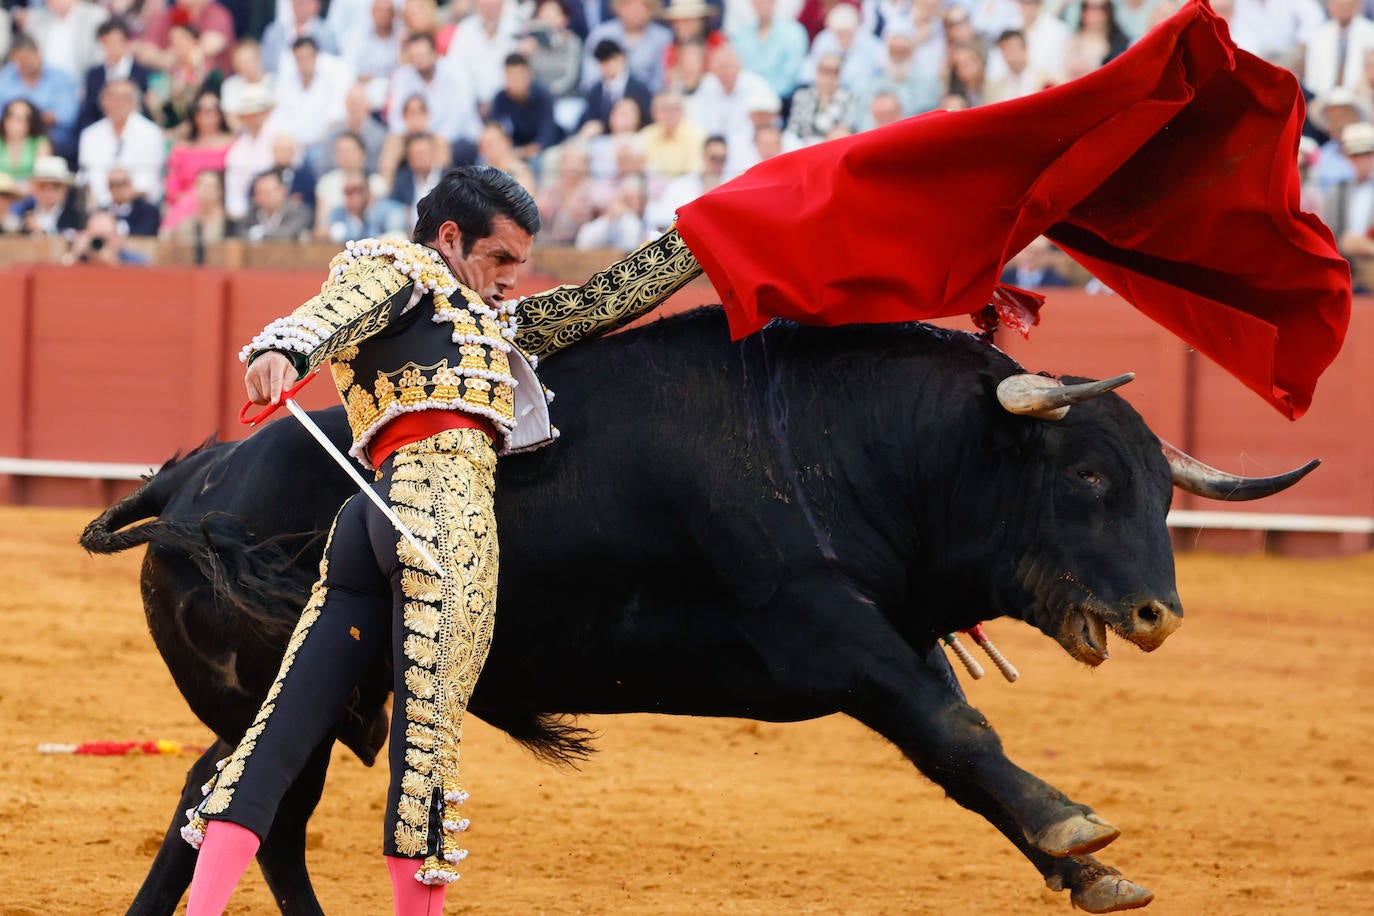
282,853
170,873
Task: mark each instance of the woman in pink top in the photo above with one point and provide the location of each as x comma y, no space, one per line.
204,147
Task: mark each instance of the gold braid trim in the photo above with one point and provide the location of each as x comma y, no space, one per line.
611,298
443,488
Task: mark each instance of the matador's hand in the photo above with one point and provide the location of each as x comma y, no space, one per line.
268,376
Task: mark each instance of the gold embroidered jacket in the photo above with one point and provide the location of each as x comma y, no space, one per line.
485,365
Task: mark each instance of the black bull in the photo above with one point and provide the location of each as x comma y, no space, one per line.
775,529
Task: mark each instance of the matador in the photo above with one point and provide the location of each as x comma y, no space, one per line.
436,370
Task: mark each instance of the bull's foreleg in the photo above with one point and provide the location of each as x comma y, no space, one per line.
170,873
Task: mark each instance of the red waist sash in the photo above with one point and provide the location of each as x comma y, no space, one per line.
421,424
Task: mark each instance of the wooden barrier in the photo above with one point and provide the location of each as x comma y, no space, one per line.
132,365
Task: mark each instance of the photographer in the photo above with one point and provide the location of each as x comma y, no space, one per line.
101,242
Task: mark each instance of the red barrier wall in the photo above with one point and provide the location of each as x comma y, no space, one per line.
134,365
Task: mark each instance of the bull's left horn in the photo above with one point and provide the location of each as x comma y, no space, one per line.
1192,476
1049,398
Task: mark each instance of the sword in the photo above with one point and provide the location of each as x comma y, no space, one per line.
299,413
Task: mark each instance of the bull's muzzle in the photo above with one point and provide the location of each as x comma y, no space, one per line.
1151,623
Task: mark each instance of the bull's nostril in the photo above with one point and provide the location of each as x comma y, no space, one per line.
1149,615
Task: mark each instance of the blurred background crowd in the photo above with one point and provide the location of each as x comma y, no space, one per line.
199,121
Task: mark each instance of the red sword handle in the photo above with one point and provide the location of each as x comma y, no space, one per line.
267,411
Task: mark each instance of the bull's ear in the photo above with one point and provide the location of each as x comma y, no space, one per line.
1049,398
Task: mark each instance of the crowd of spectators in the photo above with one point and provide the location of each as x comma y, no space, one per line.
203,120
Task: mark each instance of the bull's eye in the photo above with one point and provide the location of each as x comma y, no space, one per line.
1090,477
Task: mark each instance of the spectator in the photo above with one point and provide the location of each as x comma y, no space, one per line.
644,42
1311,199
1350,204
813,12
10,195
22,141
205,146
374,52
1335,55
116,63
295,173
672,143
1097,39
361,214
525,110
480,45
1047,38
421,17
357,121
1033,267
447,92
419,172
281,36
927,28
65,31
248,71
349,156
1135,17
415,115
883,109
621,226
494,148
585,15
276,216
615,82
310,95
688,71
624,123
1276,30
819,108
101,242
991,18
6,32
136,216
51,91
721,103
775,46
692,22
172,99
968,71
1020,77
123,137
629,160
763,109
214,28
50,208
860,52
917,90
205,223
569,200
553,50
250,153
958,30
663,207
350,19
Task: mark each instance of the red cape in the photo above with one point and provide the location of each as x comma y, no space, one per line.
1170,173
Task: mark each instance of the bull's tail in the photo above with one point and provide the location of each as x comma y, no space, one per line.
110,531
553,738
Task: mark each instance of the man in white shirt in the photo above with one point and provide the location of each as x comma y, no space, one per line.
445,87
1276,30
65,31
123,137
679,192
1350,207
721,103
310,96
1335,55
861,53
251,152
481,43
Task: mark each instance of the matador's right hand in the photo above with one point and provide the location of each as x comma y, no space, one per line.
268,376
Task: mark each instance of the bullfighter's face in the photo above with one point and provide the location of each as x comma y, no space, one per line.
492,265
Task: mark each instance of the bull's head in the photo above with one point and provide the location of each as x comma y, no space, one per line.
1078,604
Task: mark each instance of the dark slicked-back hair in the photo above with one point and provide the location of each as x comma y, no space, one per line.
473,196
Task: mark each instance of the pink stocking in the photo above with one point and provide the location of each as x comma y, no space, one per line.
225,854
411,897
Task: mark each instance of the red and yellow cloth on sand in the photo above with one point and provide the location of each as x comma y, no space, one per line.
1170,173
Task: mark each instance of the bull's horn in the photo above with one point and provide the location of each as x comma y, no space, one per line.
1049,398
1192,476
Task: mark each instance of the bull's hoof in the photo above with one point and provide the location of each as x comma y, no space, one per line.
1110,894
1077,835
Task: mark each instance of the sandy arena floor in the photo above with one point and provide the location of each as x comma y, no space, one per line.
1238,760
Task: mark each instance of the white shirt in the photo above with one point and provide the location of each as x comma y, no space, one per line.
725,112
309,112
450,96
1359,207
138,148
482,55
248,156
